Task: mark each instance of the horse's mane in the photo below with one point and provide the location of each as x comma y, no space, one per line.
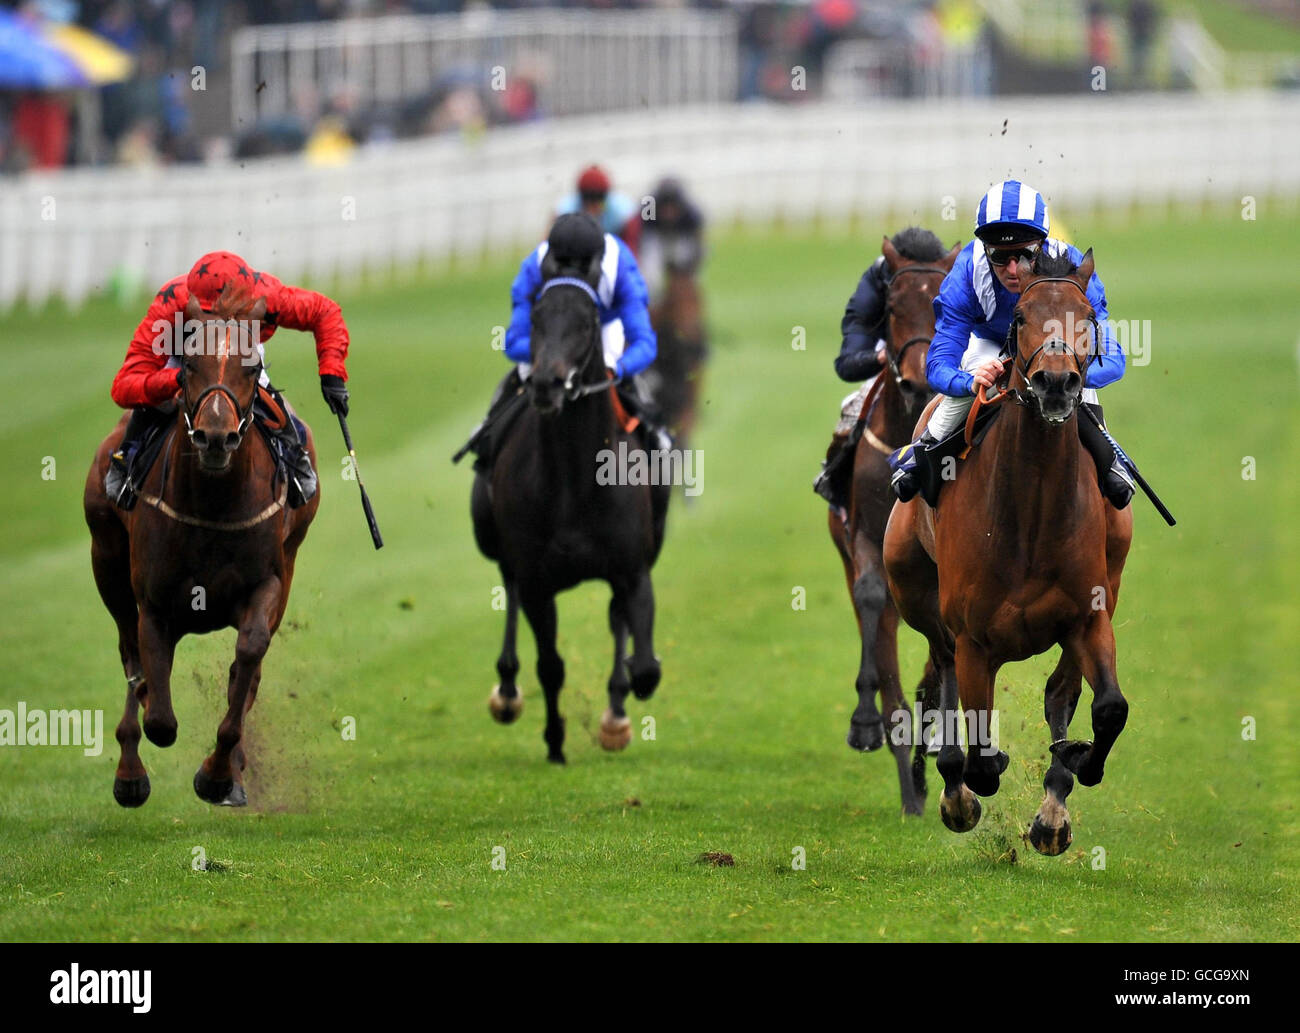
920,245
1053,265
234,301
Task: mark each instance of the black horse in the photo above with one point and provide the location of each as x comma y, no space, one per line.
550,522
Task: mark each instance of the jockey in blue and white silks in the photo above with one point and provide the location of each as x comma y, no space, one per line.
973,313
627,338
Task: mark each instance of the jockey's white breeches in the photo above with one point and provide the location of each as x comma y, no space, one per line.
612,342
952,410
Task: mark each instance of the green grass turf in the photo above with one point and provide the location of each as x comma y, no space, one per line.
392,835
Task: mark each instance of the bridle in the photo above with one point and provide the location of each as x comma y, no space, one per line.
575,388
895,360
1053,345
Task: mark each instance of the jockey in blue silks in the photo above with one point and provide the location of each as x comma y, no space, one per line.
973,313
578,251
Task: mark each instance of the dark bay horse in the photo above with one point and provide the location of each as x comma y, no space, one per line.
675,378
1022,554
894,403
550,521
210,544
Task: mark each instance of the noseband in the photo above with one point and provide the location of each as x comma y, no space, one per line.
245,415
895,361
1053,345
573,388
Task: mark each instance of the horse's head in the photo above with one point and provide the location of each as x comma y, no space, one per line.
1052,334
565,341
910,317
220,366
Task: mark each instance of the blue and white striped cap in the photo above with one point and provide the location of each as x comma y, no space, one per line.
1008,210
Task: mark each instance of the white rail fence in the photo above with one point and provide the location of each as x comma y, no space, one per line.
580,62
68,234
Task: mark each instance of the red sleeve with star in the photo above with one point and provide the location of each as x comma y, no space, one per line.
298,309
144,378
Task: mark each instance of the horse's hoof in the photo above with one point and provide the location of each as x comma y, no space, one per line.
1049,841
646,681
212,790
1002,761
236,797
1071,753
866,738
505,708
162,735
615,732
131,792
556,758
960,811
981,782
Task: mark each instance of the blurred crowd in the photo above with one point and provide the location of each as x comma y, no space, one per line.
156,116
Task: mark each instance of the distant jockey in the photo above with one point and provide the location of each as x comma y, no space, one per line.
615,212
669,238
577,248
973,315
149,380
862,354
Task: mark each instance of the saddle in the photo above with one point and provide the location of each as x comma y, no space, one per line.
281,429
930,462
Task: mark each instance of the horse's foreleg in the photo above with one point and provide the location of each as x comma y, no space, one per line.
866,730
615,727
216,781
958,807
984,761
640,611
157,650
927,698
540,611
1093,651
506,701
899,725
1050,831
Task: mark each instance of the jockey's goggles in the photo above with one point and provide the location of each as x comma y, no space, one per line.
1000,256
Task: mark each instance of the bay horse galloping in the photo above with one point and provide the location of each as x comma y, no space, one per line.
675,378
550,520
209,545
890,409
1022,554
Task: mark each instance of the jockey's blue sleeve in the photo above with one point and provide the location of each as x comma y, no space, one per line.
956,311
1111,365
522,292
630,305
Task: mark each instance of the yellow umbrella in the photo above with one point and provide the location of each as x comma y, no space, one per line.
99,60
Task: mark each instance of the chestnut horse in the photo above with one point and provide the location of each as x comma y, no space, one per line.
674,379
893,404
209,544
550,520
1022,554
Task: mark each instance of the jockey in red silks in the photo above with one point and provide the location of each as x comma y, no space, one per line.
149,379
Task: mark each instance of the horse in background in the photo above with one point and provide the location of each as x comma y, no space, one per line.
889,411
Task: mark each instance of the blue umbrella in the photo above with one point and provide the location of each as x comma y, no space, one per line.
29,61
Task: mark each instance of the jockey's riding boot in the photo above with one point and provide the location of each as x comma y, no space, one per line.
905,481
481,439
638,400
302,478
831,484
1113,477
117,481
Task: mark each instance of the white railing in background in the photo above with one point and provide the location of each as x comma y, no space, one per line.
581,61
456,197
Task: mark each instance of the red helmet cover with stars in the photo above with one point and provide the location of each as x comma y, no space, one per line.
213,271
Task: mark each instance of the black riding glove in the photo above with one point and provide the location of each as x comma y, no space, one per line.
335,392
